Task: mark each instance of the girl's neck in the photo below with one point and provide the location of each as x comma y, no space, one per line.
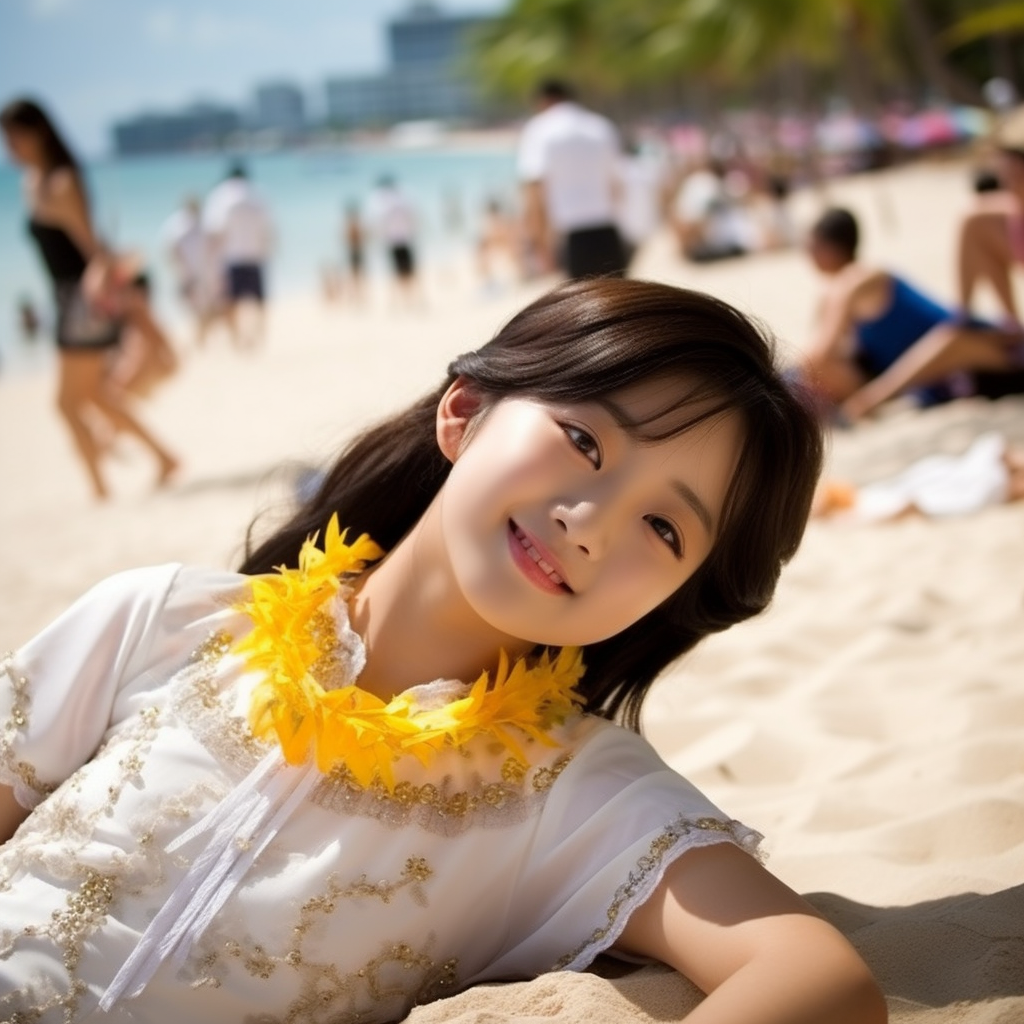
415,622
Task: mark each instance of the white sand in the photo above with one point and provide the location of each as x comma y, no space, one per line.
871,724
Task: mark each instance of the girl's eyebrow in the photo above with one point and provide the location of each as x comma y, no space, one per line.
693,499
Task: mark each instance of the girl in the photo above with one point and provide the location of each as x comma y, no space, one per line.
82,273
365,779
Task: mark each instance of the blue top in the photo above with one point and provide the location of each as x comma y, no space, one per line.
911,315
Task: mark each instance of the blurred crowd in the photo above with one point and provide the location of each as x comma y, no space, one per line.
589,198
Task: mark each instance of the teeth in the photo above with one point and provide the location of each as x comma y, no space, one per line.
535,555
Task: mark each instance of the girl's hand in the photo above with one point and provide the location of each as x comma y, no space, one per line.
760,952
107,282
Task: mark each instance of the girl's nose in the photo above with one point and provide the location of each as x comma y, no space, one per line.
583,526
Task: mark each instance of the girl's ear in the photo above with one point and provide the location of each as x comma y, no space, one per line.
456,411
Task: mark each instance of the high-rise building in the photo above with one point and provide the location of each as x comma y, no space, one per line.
280,107
427,77
200,126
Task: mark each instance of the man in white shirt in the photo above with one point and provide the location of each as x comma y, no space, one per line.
238,223
392,218
190,252
568,164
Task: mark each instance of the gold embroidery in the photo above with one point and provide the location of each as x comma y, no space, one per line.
59,831
544,778
513,770
331,671
433,805
13,771
399,972
84,911
416,870
637,882
199,699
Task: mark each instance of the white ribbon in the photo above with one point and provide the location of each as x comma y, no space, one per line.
242,825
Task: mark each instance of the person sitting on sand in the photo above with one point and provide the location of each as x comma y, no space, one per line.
991,234
879,336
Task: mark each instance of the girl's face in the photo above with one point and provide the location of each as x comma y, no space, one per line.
560,527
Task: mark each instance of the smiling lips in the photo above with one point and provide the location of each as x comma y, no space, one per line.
548,574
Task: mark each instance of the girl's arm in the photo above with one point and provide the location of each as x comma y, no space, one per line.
65,204
760,952
835,319
12,814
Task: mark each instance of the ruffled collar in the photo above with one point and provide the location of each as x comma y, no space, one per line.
309,657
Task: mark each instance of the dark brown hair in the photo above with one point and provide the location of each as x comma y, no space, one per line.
27,115
580,343
838,228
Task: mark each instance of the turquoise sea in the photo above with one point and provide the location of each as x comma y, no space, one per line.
306,190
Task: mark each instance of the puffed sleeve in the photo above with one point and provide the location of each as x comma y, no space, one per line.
94,665
613,823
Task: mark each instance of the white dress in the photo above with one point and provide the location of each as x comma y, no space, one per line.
124,723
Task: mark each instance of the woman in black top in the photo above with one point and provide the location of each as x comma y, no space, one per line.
61,226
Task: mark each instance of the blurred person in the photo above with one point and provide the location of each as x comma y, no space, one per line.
392,218
641,207
879,336
132,366
29,321
568,164
709,222
985,180
191,253
991,234
497,246
92,306
354,237
775,222
239,224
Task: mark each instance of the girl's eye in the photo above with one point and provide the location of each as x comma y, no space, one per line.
667,532
583,442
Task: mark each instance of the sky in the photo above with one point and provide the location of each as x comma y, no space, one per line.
91,62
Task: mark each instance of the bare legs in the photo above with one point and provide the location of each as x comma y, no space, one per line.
83,388
983,254
146,357
944,350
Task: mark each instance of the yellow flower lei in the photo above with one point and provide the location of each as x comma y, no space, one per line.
352,728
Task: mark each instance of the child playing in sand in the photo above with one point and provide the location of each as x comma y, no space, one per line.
376,775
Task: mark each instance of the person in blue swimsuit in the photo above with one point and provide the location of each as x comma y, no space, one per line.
880,336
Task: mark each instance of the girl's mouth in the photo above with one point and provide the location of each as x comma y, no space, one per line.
547,574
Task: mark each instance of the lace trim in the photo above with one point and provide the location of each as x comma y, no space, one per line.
29,790
675,839
443,807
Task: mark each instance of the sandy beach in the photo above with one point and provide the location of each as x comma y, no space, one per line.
870,724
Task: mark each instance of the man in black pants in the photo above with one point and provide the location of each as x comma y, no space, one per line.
568,161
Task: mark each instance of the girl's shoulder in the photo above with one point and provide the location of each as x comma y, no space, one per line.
608,758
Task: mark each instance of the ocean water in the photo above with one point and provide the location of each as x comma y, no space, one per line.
306,191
